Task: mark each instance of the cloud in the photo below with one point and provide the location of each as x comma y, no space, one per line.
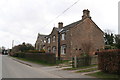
22,20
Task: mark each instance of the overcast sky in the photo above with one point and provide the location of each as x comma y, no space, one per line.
22,20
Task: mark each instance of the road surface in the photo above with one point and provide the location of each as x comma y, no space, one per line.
14,69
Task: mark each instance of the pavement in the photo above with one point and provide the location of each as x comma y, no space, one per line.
14,68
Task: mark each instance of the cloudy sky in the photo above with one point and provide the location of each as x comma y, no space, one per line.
22,20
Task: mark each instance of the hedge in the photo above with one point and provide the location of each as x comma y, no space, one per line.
43,57
109,61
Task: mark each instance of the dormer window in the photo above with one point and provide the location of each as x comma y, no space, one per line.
63,36
53,38
48,40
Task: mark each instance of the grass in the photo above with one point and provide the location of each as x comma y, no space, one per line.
41,62
83,67
104,75
88,70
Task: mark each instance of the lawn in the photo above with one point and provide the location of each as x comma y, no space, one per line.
80,67
88,70
104,75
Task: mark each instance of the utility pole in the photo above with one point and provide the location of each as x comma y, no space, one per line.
12,43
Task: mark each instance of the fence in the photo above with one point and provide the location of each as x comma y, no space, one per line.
84,61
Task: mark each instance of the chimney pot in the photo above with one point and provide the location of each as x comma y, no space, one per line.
60,25
86,14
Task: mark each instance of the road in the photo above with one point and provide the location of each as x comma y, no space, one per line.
14,69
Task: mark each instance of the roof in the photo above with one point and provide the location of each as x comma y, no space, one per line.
74,24
70,26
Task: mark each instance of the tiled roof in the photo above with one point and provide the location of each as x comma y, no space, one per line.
70,25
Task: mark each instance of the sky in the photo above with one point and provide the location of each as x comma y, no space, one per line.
22,20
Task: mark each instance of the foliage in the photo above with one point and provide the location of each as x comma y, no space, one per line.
42,50
109,38
109,61
36,51
22,48
43,57
86,47
19,54
117,41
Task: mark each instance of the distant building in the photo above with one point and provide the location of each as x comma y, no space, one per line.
71,40
40,42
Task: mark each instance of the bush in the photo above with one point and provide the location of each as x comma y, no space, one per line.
19,54
43,57
109,61
36,51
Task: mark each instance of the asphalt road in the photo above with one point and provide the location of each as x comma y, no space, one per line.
14,69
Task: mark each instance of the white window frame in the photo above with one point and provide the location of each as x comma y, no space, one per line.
54,38
48,40
63,36
54,49
63,48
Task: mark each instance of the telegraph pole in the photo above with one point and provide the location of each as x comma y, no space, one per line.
12,43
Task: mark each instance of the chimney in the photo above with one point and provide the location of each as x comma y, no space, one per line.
86,14
60,25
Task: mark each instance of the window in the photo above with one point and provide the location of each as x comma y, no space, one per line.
63,36
54,49
48,40
53,38
49,49
63,49
44,41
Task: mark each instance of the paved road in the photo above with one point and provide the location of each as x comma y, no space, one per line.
14,69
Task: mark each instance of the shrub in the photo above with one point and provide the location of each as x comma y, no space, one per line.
19,54
36,51
43,57
109,61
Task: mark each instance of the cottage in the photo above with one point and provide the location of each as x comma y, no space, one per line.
82,36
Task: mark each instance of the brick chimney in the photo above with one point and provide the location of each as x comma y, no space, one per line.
86,14
60,25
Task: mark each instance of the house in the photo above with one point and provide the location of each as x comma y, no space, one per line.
74,39
40,42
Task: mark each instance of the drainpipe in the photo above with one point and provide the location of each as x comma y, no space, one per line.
59,46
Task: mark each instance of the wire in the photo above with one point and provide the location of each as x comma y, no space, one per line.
62,12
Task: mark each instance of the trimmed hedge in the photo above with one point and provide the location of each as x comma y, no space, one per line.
49,58
43,57
109,61
19,54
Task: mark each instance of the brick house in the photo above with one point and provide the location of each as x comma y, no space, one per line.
40,42
72,39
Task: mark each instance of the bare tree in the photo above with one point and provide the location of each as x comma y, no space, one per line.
86,47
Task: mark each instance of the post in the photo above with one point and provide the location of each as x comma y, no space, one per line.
75,61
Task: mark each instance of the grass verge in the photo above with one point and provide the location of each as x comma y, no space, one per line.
80,67
87,70
41,62
104,75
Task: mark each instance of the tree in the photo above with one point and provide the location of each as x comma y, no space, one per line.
22,47
117,41
109,38
86,47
